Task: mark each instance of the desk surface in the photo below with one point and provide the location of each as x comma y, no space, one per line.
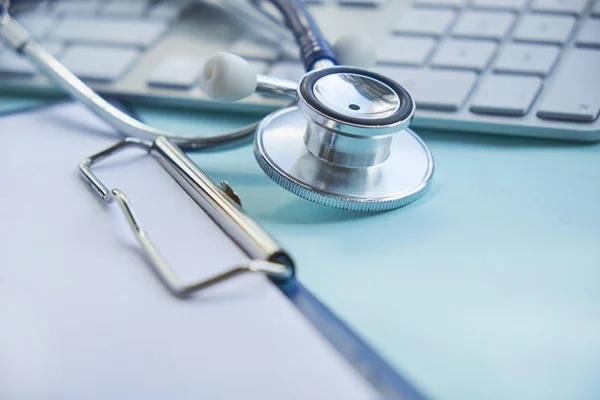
488,287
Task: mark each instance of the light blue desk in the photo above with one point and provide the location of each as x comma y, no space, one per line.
9,103
487,288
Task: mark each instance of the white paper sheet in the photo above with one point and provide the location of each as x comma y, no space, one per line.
83,316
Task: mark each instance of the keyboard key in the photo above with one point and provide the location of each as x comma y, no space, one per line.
254,51
177,71
27,6
506,95
574,93
268,8
287,70
425,22
441,3
77,7
363,3
99,63
520,58
510,5
464,54
544,28
38,25
167,10
559,6
483,24
434,89
289,51
406,50
131,8
109,31
589,33
13,63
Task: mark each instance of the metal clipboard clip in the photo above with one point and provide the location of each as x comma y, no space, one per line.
220,203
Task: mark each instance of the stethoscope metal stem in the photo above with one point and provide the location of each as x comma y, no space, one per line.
276,87
322,64
18,38
339,149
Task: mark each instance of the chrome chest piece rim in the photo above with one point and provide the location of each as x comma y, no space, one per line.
353,101
280,147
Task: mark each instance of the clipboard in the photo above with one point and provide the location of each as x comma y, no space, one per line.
363,359
224,207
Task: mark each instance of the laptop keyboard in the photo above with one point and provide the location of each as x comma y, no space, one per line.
514,67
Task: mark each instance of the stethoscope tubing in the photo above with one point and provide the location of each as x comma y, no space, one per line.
313,45
314,50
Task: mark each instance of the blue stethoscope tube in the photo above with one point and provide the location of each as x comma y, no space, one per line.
313,45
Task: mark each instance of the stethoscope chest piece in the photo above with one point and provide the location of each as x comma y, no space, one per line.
347,143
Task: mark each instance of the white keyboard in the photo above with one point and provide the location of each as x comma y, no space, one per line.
513,67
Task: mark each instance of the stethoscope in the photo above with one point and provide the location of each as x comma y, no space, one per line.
345,143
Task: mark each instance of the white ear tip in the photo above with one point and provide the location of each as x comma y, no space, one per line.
355,50
227,77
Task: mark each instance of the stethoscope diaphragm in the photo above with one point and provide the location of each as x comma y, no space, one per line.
347,144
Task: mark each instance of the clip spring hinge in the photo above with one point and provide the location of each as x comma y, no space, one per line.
221,204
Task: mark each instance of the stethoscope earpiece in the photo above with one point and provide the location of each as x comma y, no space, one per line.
227,77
